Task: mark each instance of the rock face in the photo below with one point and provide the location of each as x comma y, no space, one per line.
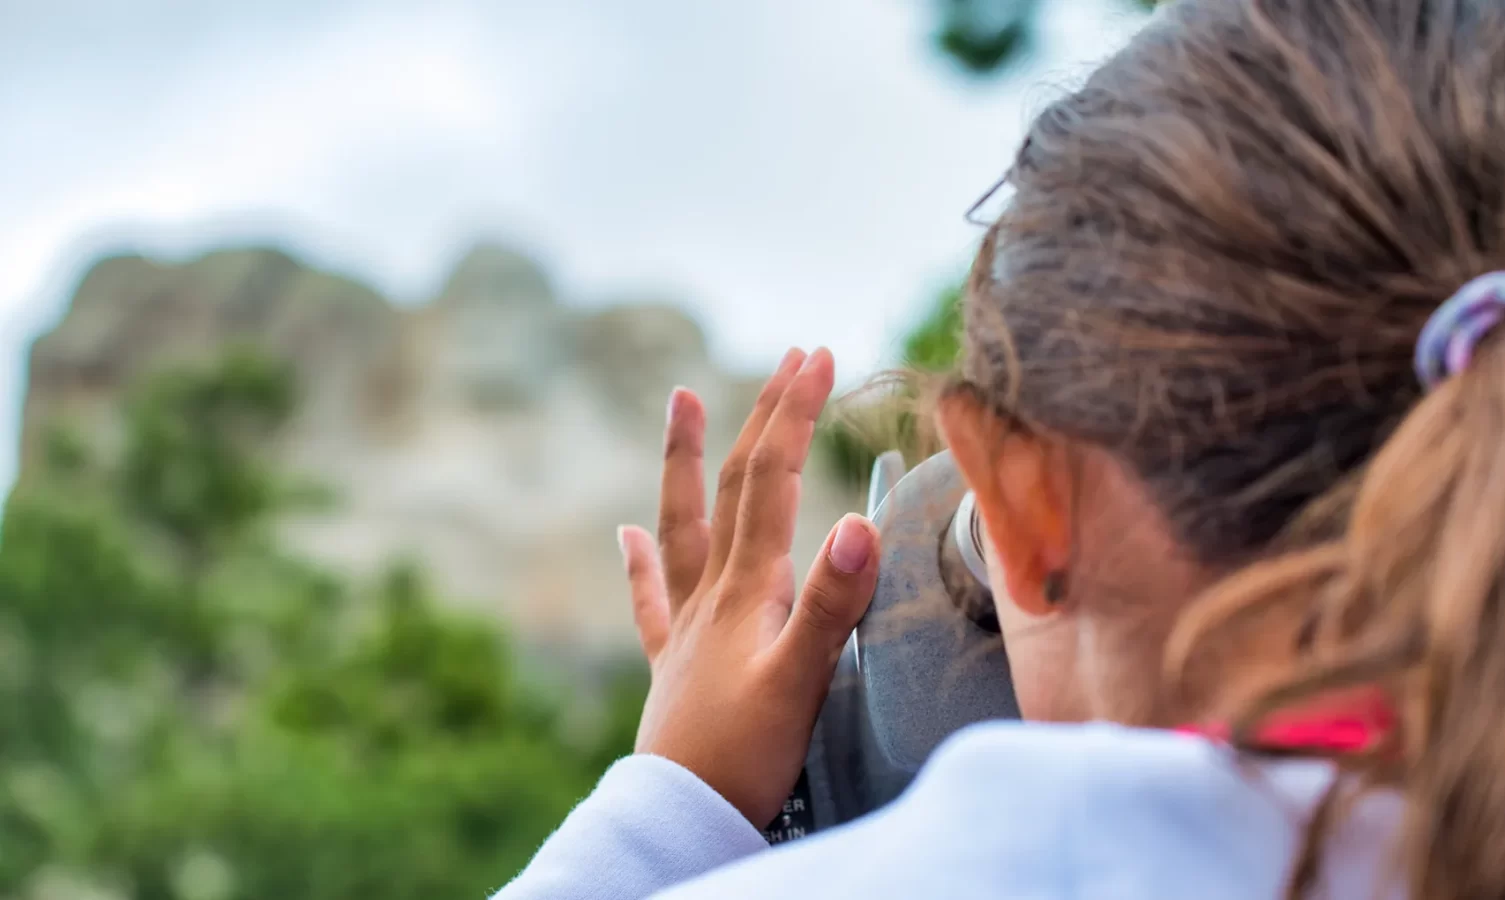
494,433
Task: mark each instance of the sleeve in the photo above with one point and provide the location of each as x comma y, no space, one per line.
650,824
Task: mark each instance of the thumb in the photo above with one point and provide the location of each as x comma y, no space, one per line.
836,594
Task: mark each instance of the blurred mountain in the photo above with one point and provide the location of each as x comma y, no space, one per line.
495,434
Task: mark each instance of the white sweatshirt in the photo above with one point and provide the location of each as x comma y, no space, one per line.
1005,811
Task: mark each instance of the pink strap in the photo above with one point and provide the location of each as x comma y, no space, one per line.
1349,733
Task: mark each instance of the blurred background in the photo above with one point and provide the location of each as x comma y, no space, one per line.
335,337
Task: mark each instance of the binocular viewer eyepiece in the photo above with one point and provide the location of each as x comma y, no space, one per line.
925,661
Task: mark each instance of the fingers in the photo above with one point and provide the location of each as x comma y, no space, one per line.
771,490
650,599
836,594
733,471
683,534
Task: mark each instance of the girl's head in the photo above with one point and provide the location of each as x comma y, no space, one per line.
1191,416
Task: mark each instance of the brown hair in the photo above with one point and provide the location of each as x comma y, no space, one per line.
1215,265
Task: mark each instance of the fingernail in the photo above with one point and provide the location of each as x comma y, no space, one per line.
810,360
622,540
789,358
852,546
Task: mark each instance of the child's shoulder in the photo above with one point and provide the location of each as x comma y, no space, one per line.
1109,763
1032,810
1138,810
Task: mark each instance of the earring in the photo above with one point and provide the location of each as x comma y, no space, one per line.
1054,587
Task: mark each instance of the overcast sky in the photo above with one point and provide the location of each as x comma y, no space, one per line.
794,171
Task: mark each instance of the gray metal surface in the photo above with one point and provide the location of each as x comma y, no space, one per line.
917,668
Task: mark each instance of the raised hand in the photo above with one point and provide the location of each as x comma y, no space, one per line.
740,665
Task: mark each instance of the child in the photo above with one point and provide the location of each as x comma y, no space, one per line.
1233,408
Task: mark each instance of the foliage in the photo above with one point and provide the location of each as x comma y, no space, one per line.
985,36
935,343
189,469
188,713
892,415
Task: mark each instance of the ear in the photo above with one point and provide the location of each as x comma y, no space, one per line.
1022,485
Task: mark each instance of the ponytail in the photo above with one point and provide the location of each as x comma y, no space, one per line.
1407,597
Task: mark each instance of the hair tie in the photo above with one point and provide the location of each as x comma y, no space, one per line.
1447,341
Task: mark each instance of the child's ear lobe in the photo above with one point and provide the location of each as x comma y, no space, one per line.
1021,497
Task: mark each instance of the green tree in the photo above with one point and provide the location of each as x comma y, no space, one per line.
410,764
893,413
934,344
192,469
985,36
189,713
